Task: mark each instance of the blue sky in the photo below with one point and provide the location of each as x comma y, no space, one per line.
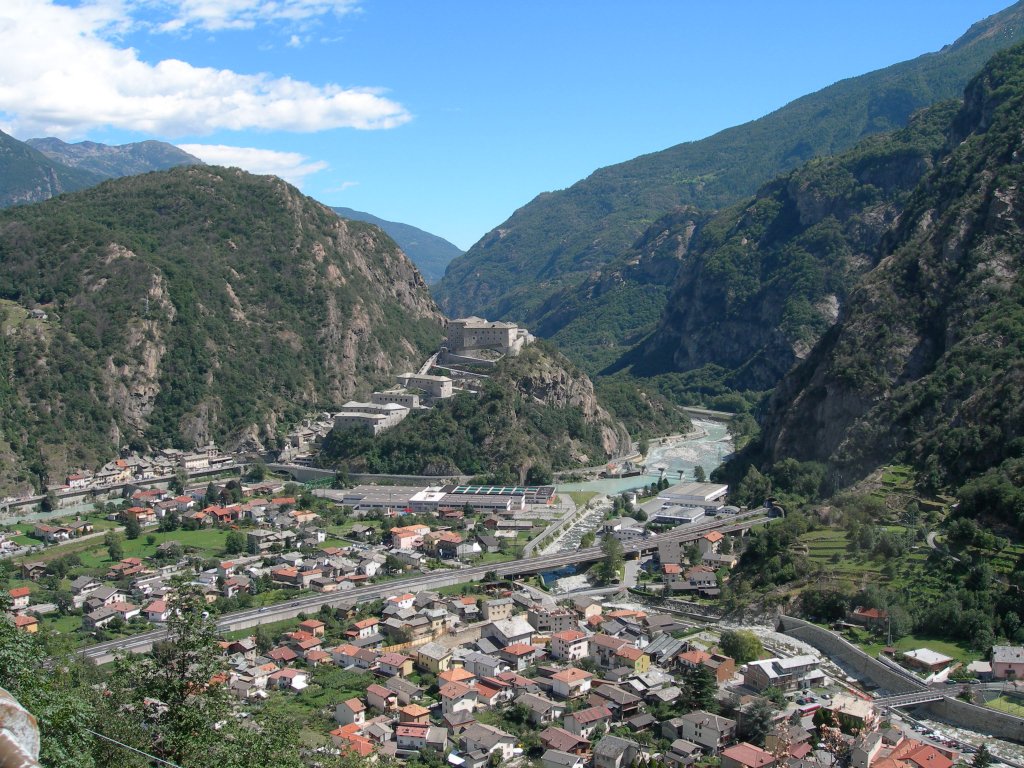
445,115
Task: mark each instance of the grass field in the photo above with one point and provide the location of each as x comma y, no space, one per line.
580,498
1013,705
910,642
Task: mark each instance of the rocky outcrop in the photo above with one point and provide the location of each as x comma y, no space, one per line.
927,361
553,382
764,281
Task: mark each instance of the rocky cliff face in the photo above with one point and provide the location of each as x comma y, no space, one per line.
927,361
195,304
763,281
553,382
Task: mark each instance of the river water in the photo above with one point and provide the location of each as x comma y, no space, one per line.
708,449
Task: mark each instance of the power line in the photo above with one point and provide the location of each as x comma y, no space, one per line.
131,748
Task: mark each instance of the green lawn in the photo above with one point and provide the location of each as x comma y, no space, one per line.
910,642
65,625
1012,705
580,498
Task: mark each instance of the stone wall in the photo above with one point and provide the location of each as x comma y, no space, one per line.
975,718
851,659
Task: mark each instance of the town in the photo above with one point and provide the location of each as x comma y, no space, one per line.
476,672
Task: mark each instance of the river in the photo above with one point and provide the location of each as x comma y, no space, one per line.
708,449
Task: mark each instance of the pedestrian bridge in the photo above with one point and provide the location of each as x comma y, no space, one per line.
910,699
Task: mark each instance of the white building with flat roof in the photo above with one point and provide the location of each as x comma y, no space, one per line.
701,495
372,417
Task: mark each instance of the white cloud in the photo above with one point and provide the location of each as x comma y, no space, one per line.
59,75
294,41
290,166
243,14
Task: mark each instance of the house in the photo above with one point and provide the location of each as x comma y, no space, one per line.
744,755
621,702
520,655
26,623
507,632
927,660
1007,662
571,683
710,542
873,618
33,571
395,664
434,657
853,713
562,740
585,721
406,691
488,739
722,667
712,732
413,713
413,737
542,710
365,628
499,609
604,649
569,645
313,627
615,752
157,611
288,678
350,711
381,698
789,674
864,750
20,597
553,758
457,697
682,754
633,659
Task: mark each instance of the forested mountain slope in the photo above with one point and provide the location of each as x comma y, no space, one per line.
112,162
186,305
28,176
927,361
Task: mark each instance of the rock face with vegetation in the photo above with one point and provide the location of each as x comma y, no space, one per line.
194,304
927,361
536,414
430,253
557,242
764,280
29,176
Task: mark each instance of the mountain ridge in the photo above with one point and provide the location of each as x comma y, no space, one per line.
561,238
114,161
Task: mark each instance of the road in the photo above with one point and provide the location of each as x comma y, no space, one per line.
103,652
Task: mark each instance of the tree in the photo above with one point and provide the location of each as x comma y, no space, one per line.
756,720
699,689
234,543
698,474
115,549
132,528
51,690
607,569
741,644
180,674
257,471
982,758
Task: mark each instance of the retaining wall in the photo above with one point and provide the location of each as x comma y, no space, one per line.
975,718
850,658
